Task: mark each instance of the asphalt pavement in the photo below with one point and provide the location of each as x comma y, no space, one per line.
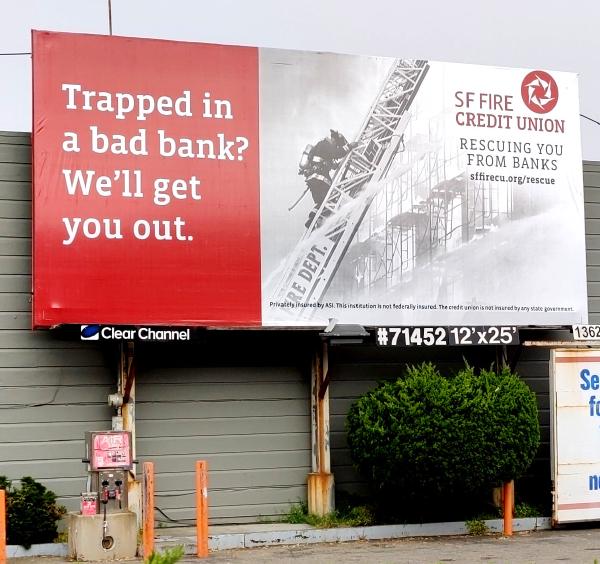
578,546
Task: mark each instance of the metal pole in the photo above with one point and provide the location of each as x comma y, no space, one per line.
508,497
320,480
2,527
127,379
323,412
109,17
202,508
148,529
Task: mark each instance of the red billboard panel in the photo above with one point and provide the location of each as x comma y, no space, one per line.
146,203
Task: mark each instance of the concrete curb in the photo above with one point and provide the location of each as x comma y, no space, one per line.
303,535
227,541
47,549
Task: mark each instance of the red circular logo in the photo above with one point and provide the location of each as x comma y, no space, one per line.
539,92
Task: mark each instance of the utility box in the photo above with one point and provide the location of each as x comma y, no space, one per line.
105,529
108,454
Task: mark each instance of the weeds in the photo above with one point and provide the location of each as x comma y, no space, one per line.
477,527
524,509
359,516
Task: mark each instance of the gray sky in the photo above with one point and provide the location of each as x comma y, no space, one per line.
551,34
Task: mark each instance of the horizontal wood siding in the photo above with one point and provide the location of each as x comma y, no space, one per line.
51,390
591,181
248,417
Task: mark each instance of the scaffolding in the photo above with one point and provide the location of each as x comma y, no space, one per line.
426,209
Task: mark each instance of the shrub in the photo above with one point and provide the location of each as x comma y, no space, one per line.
426,436
32,512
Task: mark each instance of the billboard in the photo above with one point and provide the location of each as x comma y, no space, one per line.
198,184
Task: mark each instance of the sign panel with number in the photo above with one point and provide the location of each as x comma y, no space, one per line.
586,332
439,336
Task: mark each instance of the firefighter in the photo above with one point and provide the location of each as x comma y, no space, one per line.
317,164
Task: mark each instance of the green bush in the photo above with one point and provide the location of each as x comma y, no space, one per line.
31,512
426,436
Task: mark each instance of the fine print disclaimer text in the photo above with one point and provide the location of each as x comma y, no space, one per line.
416,306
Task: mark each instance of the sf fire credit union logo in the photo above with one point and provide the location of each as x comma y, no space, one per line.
539,91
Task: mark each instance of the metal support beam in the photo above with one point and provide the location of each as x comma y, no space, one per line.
127,390
320,480
325,375
127,372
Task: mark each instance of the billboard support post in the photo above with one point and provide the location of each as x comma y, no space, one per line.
127,390
320,480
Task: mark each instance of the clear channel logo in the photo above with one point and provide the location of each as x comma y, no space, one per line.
97,332
90,332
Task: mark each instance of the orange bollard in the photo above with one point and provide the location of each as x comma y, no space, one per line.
148,510
202,508
2,527
508,496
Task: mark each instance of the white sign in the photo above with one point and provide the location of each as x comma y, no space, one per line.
575,431
459,200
